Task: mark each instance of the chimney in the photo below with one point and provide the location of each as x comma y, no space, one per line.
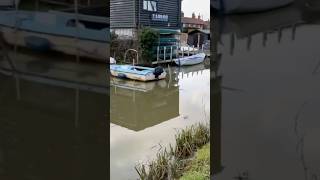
182,14
199,17
193,15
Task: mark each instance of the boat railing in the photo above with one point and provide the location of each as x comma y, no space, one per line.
125,56
167,54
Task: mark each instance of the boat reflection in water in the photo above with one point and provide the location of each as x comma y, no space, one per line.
138,105
84,34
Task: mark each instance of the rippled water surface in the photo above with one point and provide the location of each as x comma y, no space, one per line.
268,97
146,116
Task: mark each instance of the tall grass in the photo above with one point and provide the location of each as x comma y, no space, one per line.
169,164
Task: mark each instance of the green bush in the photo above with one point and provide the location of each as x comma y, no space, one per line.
147,40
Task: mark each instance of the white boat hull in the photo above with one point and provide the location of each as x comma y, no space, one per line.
121,72
243,6
68,45
190,60
138,77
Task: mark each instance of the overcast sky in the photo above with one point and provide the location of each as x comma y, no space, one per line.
196,6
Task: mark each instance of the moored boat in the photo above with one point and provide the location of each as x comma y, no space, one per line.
82,35
190,60
139,73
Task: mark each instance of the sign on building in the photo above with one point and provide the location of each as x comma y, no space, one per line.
160,17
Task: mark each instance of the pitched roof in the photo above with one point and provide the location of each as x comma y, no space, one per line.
189,20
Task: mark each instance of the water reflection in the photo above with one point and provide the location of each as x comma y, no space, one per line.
138,105
45,131
145,116
53,110
268,128
83,34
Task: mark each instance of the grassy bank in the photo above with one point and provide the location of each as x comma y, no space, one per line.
199,167
172,163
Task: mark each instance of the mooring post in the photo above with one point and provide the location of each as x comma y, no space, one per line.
158,49
171,54
164,53
193,49
177,52
170,75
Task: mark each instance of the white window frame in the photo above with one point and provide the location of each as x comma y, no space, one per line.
150,5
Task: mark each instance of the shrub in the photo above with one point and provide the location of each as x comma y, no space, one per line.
148,38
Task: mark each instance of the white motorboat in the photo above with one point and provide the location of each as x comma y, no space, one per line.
190,60
139,73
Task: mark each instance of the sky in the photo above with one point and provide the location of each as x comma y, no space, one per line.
196,6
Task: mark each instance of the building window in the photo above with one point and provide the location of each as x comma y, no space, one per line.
150,6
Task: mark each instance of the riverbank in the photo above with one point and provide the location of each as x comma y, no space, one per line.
199,167
190,150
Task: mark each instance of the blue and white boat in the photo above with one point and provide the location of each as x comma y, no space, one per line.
83,35
190,60
137,72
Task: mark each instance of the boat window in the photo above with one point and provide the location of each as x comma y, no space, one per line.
150,5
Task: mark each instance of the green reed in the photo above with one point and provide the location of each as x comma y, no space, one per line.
169,164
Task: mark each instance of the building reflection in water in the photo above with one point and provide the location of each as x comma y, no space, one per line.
243,44
216,82
53,115
137,105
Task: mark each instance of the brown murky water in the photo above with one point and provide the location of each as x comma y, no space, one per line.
145,116
53,116
268,96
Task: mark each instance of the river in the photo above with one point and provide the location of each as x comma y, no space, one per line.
146,116
266,105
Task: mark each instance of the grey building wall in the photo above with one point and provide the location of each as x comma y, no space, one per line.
130,14
122,13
